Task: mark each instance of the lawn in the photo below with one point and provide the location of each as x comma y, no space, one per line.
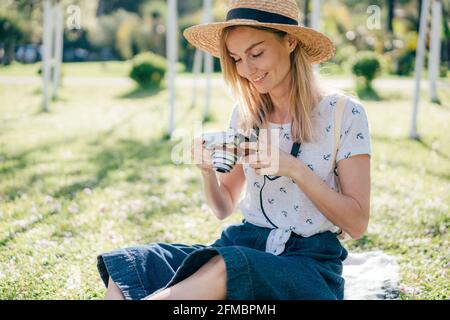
94,175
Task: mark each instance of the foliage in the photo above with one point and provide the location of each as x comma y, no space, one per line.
110,6
366,65
148,69
405,63
11,33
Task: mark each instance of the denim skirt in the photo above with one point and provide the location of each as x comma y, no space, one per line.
308,269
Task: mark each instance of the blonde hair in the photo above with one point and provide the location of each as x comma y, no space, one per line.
256,108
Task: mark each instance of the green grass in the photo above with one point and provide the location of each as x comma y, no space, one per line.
94,175
76,69
105,69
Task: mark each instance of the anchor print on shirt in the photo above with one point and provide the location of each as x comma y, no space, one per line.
327,157
271,200
311,167
346,156
257,185
283,189
328,129
309,221
296,207
286,136
281,237
284,213
333,103
355,111
360,136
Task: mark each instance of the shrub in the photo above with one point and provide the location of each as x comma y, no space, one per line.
148,69
11,33
366,65
405,63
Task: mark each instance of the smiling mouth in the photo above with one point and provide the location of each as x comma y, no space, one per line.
261,79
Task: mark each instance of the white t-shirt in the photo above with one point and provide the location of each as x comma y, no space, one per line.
281,201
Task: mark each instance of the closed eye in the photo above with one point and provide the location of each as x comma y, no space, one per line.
254,56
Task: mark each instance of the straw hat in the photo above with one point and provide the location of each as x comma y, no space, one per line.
277,14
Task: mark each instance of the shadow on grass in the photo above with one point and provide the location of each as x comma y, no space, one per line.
21,160
367,93
23,229
106,160
109,159
420,142
431,149
410,166
141,93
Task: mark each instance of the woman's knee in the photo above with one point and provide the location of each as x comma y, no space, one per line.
113,292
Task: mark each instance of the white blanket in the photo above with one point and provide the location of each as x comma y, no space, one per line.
371,275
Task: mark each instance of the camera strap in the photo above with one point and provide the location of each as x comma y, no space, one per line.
294,152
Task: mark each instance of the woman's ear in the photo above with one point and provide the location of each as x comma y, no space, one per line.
291,42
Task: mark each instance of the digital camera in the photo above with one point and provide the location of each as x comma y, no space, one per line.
223,146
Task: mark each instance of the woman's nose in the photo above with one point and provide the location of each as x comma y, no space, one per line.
249,69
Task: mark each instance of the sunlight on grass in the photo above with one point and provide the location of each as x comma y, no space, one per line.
94,175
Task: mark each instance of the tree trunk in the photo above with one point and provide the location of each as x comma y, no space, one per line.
419,10
305,12
100,8
9,52
446,42
390,17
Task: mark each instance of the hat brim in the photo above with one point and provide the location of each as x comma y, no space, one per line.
318,47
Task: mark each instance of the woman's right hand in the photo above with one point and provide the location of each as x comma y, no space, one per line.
201,156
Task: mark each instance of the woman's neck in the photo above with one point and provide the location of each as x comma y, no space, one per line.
280,112
280,102
279,119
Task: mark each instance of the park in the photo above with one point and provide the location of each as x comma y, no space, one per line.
87,168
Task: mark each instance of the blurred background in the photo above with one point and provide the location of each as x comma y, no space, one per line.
86,137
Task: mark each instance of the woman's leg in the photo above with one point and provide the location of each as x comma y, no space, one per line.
207,283
113,292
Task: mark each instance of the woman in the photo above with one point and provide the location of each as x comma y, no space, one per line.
287,246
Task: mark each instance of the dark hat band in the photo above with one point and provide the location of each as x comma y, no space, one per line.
259,15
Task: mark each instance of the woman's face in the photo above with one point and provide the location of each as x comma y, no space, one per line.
258,53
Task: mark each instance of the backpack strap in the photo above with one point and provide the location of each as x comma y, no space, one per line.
338,114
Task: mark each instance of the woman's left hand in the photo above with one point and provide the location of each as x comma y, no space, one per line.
268,158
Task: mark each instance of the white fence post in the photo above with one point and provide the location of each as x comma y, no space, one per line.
315,24
420,53
172,54
435,49
208,61
58,47
47,40
196,69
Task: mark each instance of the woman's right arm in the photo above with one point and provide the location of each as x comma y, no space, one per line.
222,190
222,194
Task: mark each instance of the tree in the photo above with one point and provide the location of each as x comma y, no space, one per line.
390,15
10,34
109,6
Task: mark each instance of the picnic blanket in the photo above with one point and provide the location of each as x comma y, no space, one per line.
371,275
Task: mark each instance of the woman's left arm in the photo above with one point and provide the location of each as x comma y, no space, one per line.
348,210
